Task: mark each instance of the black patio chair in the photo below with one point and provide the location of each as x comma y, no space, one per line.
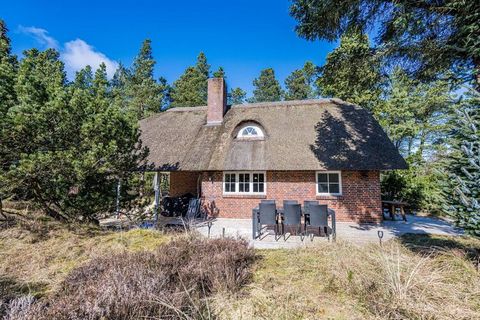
318,219
306,208
292,217
193,211
267,217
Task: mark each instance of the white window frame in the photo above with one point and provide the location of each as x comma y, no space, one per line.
237,183
328,182
260,134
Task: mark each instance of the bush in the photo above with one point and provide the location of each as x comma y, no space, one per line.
173,282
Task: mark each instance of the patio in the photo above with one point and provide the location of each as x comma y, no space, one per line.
356,233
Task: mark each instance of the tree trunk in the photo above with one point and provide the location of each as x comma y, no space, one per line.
1,209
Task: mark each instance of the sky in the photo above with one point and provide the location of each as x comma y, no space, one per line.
243,36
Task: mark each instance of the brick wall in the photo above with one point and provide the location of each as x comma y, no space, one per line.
182,182
360,200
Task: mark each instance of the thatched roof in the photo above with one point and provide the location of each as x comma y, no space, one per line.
324,134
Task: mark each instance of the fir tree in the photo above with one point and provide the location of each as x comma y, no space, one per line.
463,169
352,72
299,83
191,88
236,96
267,87
145,95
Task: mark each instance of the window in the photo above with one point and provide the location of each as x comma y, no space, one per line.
229,182
329,183
250,131
244,183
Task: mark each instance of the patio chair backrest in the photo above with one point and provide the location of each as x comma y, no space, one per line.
268,213
318,215
292,214
306,205
267,201
193,209
285,202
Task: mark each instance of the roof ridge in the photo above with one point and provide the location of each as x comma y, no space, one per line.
290,103
179,109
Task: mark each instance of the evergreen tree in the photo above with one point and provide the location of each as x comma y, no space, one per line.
100,83
236,96
299,83
166,90
119,86
8,69
220,73
145,95
202,66
413,113
352,72
67,144
267,87
428,36
191,88
415,117
463,169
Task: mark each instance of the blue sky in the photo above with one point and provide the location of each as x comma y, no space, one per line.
242,36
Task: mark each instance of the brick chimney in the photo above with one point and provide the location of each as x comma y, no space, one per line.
217,101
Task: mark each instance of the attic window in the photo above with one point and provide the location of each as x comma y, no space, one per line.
250,131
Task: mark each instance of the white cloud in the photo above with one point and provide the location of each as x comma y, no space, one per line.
76,54
41,35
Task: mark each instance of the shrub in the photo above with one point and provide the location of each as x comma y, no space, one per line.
173,282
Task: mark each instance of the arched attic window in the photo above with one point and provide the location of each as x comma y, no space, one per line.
250,131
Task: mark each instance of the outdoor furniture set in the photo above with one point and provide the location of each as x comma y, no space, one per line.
294,218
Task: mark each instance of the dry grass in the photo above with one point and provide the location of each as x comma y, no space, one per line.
343,281
173,282
37,254
416,277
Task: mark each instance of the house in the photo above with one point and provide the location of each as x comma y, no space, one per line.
233,156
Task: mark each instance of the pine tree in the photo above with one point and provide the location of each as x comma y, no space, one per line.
352,72
8,69
119,86
299,83
220,73
67,143
236,96
267,87
100,83
8,73
191,88
145,95
427,37
463,191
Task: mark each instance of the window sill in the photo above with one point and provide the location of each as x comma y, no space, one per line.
245,196
329,197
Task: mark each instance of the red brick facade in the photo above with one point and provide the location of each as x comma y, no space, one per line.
360,200
182,182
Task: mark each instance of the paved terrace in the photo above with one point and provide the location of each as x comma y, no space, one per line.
356,233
